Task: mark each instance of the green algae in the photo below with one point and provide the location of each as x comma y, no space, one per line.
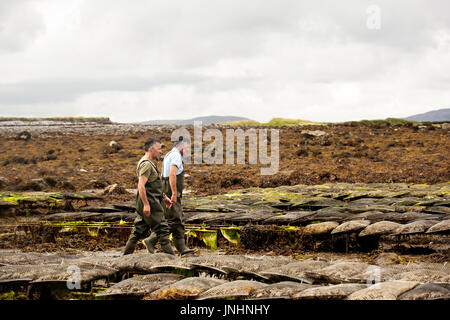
12,295
292,228
32,197
232,234
209,237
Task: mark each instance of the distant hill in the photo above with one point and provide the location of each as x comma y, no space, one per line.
435,115
275,122
102,120
205,120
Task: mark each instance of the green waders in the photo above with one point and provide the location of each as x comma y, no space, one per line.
156,221
174,216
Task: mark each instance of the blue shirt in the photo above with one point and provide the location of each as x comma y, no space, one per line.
172,158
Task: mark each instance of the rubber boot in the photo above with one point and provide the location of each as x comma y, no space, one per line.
167,248
129,248
150,243
181,247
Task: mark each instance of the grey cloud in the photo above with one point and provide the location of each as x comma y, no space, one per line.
19,25
57,90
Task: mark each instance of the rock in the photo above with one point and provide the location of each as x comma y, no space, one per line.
284,289
28,258
445,126
100,209
292,218
113,147
252,217
239,263
445,203
51,182
32,185
378,228
411,216
188,288
83,170
3,182
7,209
383,290
24,136
320,228
302,153
71,216
438,210
115,189
142,262
313,133
351,226
418,226
386,258
125,206
234,289
66,185
61,272
425,275
140,285
80,196
366,208
375,274
99,184
18,160
427,291
441,227
320,202
338,272
339,291
7,204
372,216
294,271
325,215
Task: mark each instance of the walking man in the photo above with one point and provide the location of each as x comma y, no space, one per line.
173,184
149,205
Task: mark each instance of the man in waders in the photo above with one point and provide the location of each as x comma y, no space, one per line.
149,205
173,184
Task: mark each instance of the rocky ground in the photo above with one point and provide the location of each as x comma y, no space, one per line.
331,241
215,275
75,157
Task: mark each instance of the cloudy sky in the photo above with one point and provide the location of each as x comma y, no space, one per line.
142,60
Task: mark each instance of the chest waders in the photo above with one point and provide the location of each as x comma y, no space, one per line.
175,216
156,221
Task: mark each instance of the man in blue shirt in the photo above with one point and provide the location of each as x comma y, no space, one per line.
173,184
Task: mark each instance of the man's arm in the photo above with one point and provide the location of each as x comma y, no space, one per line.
143,194
173,183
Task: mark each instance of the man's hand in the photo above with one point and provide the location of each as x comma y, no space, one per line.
173,184
147,210
167,202
173,200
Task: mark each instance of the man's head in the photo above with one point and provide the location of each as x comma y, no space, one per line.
182,144
153,149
